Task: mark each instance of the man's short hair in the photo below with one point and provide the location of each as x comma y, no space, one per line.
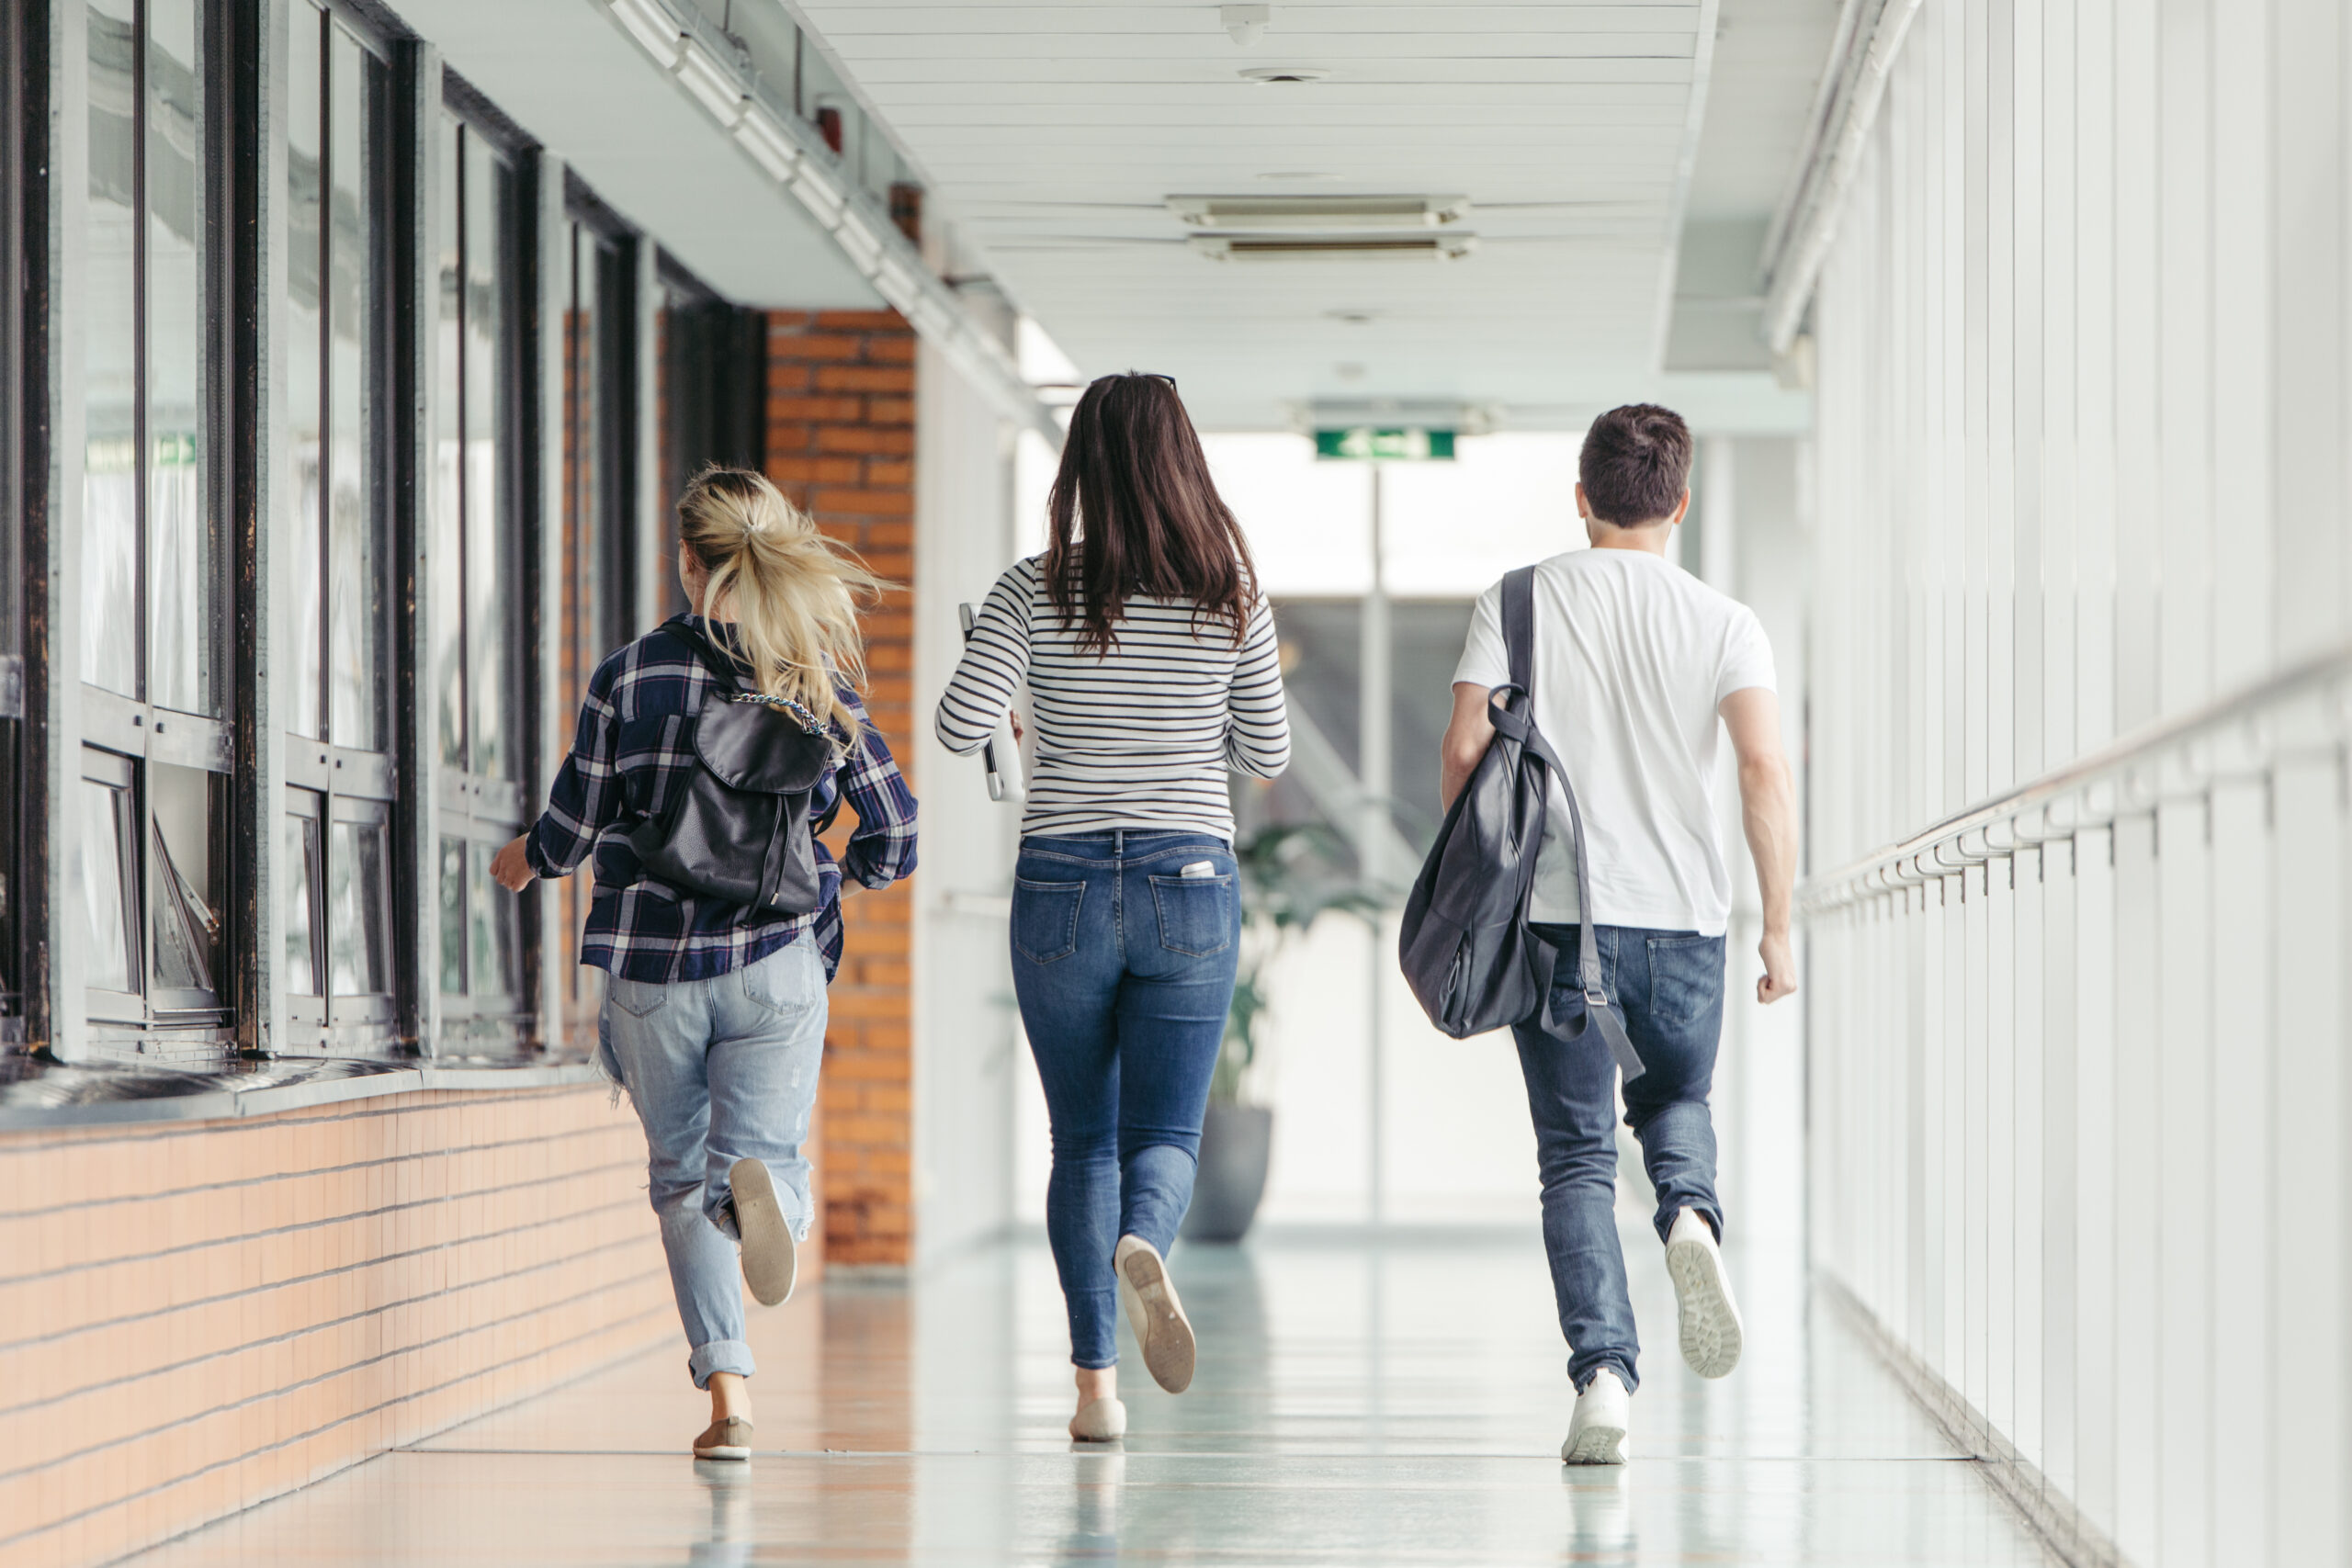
1635,465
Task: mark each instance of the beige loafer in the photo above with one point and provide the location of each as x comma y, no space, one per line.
769,1261
1101,1421
1154,1312
729,1439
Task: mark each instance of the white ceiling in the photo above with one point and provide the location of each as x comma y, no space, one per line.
1052,132
565,72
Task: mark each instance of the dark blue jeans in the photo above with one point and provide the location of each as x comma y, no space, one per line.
1124,967
1667,987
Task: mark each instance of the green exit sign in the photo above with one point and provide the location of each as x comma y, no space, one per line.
1363,444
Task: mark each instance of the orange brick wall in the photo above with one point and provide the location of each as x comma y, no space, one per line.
841,442
195,1317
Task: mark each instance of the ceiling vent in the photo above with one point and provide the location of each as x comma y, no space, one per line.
1333,247
1320,214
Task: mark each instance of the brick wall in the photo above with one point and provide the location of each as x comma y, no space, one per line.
195,1317
841,442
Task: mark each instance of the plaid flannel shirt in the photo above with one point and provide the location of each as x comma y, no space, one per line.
633,747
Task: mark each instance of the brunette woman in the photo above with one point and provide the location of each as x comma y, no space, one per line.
1150,661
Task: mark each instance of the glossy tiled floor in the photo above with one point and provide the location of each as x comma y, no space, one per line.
1357,1402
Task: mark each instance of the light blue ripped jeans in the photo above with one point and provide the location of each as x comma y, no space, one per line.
719,1070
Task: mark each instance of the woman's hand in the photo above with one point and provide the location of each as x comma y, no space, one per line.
512,867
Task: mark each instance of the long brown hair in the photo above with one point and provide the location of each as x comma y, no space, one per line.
1135,511
792,592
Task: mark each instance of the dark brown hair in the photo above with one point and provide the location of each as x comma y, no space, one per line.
1635,465
1134,512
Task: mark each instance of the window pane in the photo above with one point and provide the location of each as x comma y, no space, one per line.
493,582
109,368
582,635
187,888
495,918
105,815
358,548
453,916
305,177
183,553
448,527
357,951
299,884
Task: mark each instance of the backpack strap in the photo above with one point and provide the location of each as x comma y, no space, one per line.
1518,722
723,665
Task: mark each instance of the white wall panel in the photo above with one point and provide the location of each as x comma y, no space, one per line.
2081,466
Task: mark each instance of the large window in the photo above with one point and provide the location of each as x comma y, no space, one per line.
600,511
336,860
480,668
714,395
153,797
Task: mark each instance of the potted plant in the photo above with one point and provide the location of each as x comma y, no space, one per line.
1291,876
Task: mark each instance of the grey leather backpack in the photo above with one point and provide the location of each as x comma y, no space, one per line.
1467,948
737,825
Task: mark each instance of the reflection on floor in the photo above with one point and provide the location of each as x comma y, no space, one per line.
1398,1402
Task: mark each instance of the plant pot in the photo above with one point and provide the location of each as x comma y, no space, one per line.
1236,1143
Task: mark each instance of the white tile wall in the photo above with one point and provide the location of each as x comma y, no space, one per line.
2079,1114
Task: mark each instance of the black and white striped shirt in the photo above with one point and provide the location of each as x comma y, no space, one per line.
1140,737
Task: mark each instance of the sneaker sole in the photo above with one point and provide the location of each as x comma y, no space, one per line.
769,1263
1710,1323
728,1450
1158,1320
1596,1445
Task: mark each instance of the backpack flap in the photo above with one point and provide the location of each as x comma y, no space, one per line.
749,745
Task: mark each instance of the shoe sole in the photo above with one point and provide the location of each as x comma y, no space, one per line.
1710,1323
1597,1445
728,1450
768,1254
1157,1318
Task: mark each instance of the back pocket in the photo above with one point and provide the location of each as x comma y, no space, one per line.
1686,979
1045,919
1196,913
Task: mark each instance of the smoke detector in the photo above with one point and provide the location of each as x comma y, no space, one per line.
1246,23
1270,76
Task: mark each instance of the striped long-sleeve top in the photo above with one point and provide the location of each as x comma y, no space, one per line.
1140,737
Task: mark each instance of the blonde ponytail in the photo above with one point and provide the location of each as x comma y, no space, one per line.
792,592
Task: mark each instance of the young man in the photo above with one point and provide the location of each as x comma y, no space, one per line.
1635,659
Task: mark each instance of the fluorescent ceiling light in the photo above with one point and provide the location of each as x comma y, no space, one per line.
1253,214
1304,247
711,81
768,143
654,29
863,244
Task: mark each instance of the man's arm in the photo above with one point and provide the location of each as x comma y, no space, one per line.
1768,808
1466,738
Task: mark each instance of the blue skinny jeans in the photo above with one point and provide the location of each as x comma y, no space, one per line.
1124,967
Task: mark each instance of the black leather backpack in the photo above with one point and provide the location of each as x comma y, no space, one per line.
736,826
1466,947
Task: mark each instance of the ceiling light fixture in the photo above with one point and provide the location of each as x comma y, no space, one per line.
1269,76
1325,214
1301,175
1333,247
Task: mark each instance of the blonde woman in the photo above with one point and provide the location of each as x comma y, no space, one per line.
714,1014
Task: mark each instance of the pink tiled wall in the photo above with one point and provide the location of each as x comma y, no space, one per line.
195,1317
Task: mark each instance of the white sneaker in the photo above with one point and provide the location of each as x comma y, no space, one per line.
1711,1330
1596,1431
1162,1330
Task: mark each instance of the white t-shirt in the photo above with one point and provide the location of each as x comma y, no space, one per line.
1632,654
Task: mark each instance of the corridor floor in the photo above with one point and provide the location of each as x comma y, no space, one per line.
1357,1402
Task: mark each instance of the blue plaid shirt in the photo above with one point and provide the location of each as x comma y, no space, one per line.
633,745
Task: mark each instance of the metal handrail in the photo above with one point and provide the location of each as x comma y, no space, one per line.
2126,776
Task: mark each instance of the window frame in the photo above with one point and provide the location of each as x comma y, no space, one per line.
323,778
475,811
129,735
